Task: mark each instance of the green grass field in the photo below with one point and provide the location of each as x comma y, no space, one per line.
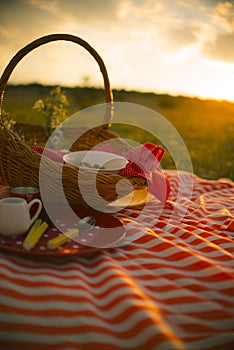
206,126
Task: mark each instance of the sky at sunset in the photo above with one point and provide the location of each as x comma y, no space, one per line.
180,47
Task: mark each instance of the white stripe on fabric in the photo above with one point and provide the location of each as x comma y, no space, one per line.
117,283
179,319
162,271
96,320
71,306
213,341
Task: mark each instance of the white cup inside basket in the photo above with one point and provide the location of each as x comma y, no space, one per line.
96,160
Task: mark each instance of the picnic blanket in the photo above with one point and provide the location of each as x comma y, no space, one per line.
170,288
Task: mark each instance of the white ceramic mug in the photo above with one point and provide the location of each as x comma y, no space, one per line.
15,215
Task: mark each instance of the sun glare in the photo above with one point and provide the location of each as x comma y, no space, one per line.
223,92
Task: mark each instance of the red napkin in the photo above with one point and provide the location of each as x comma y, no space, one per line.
56,156
144,161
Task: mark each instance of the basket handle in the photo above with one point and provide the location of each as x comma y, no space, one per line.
54,37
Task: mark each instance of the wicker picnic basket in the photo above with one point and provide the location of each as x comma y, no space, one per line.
19,164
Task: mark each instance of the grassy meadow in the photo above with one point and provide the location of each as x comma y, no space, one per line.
206,126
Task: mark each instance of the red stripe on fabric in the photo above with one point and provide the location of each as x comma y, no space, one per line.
84,329
154,341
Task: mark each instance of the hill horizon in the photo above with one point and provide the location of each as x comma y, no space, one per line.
123,89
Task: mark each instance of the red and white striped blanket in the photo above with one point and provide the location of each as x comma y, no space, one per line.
171,288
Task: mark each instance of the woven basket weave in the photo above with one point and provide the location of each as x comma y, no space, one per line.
19,164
